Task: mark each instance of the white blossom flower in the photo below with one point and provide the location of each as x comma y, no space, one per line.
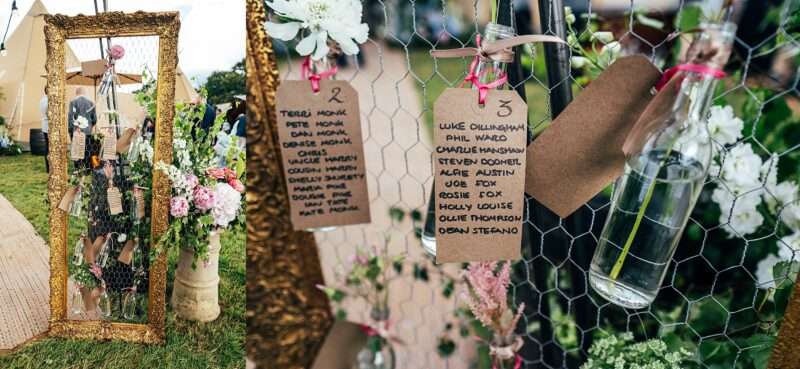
764,272
569,16
741,169
782,194
724,127
338,19
122,237
739,214
603,36
227,202
578,61
790,215
789,247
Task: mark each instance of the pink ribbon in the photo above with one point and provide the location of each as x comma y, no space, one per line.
502,353
688,67
500,50
474,79
305,73
381,329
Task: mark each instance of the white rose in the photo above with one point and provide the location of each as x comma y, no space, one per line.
764,272
789,247
82,122
740,214
782,194
724,127
741,169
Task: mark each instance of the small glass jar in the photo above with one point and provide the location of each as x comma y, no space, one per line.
488,70
378,352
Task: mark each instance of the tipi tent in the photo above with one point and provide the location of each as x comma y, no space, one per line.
21,71
21,81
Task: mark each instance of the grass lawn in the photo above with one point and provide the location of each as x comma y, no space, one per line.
219,344
434,76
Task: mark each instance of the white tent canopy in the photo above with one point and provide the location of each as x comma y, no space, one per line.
22,84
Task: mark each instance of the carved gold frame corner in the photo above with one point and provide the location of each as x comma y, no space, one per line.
287,316
58,29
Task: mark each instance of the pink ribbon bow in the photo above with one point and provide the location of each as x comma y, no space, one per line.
500,50
381,329
305,73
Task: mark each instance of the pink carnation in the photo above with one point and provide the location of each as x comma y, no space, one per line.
116,52
236,184
97,271
203,198
191,181
179,207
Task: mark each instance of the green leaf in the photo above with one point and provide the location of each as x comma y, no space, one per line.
397,214
416,215
445,347
420,273
449,287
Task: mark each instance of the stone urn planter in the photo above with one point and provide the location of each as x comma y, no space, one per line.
195,293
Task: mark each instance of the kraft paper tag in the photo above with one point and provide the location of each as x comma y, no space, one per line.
68,198
125,140
323,155
110,145
114,201
78,147
581,152
138,196
479,169
126,255
341,346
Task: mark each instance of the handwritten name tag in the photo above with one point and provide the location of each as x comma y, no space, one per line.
479,169
323,155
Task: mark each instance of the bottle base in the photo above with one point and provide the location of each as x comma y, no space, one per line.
619,293
320,229
429,244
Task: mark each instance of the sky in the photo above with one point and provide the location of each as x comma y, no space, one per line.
212,35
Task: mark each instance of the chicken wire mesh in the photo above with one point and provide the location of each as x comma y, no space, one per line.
109,227
726,287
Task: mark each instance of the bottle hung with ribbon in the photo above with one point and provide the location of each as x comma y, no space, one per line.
486,72
378,352
668,158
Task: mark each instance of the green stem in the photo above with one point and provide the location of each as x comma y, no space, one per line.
494,10
639,216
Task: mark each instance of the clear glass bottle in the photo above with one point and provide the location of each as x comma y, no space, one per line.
76,300
487,71
130,304
105,250
378,352
76,208
104,302
654,197
77,252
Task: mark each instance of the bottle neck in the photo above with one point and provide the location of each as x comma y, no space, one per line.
694,99
489,70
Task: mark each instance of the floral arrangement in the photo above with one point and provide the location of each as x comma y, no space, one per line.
321,21
368,279
620,352
487,297
205,197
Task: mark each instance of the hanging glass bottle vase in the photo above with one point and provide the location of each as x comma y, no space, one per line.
76,208
378,352
76,300
77,252
130,304
485,71
105,250
104,302
653,199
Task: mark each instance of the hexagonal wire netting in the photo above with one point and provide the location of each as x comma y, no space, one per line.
719,299
118,243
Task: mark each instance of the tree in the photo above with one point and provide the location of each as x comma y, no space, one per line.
223,85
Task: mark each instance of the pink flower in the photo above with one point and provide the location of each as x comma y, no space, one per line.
97,271
236,184
216,173
487,296
116,52
203,198
179,207
191,181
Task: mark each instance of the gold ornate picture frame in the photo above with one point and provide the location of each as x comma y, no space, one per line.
58,29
